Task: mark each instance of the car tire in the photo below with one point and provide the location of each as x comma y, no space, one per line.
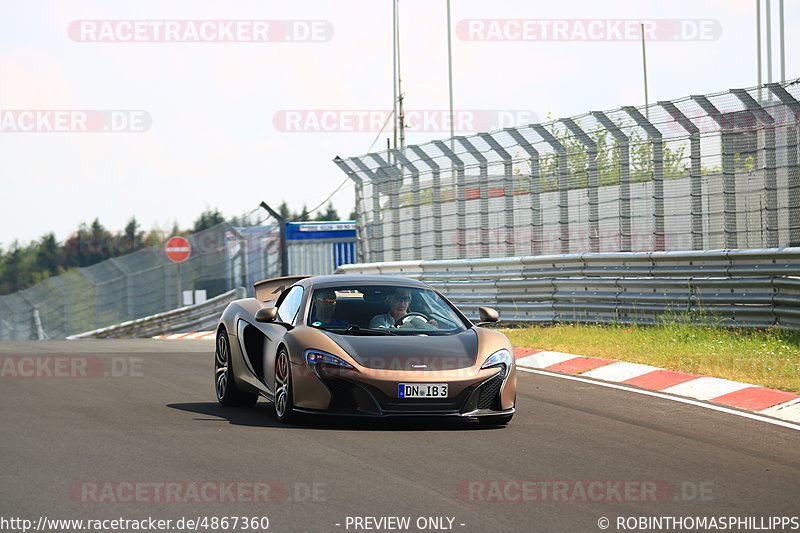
495,420
284,392
225,387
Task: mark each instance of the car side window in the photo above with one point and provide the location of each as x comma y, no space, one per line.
290,304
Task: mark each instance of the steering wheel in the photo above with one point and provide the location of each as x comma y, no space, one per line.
406,317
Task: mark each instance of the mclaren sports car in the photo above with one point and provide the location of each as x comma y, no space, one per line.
374,346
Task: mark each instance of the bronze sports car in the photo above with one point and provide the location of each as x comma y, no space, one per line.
362,345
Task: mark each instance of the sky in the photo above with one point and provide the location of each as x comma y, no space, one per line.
104,113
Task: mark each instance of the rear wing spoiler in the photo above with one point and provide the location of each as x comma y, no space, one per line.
269,289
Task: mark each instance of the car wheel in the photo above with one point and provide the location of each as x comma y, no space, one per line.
284,399
224,382
496,420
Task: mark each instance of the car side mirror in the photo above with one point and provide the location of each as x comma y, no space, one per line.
267,314
487,316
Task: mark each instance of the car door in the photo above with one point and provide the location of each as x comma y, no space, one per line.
288,305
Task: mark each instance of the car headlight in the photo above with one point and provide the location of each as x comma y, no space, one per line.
318,357
500,357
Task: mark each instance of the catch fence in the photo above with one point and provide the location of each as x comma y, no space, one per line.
717,171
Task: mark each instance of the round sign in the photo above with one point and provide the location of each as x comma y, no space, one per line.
178,249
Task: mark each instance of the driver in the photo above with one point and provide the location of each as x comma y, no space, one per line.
398,308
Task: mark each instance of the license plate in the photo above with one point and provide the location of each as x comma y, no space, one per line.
422,390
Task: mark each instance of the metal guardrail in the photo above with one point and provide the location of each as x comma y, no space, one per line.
197,317
744,288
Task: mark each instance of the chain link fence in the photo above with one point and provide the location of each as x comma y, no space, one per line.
718,171
139,284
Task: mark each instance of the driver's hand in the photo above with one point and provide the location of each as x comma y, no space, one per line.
433,323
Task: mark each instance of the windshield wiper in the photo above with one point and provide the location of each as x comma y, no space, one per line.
356,330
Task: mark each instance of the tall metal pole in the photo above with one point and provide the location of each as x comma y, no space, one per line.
783,44
769,41
450,74
400,114
644,69
394,70
758,42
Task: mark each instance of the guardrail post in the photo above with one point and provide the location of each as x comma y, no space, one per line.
695,173
360,219
591,168
793,178
483,187
728,141
535,189
376,236
771,178
563,184
415,199
623,143
436,186
656,141
508,190
461,197
393,178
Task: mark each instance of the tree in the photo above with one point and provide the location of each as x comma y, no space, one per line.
132,239
208,218
329,213
47,255
284,211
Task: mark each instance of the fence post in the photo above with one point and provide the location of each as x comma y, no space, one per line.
563,184
728,169
393,178
624,178
415,207
657,142
436,185
591,168
793,178
377,222
534,188
483,185
361,222
696,174
508,190
771,174
461,198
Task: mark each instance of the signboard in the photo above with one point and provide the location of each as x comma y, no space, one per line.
178,249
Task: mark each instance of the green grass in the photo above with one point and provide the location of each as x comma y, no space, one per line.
770,358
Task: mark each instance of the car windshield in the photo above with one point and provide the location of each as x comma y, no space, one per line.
382,309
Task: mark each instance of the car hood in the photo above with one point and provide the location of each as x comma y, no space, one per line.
411,352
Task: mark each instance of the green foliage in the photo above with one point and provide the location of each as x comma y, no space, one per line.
330,213
208,218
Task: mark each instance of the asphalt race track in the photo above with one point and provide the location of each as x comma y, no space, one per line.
104,428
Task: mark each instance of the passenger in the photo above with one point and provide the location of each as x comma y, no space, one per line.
324,308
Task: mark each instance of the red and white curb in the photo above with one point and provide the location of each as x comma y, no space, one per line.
188,336
762,400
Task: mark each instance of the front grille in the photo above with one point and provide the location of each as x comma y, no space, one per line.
490,392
